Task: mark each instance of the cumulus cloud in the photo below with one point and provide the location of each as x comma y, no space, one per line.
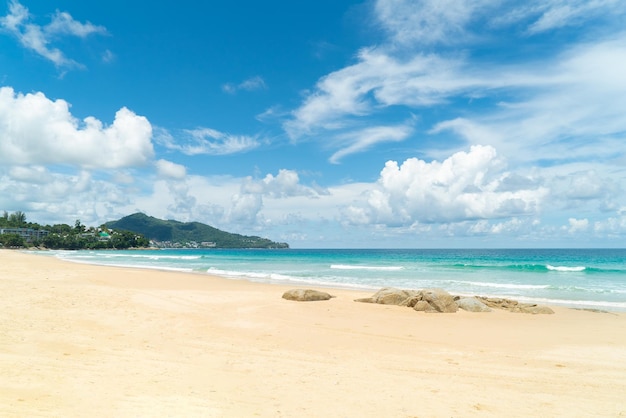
51,197
247,204
207,141
32,174
245,208
37,130
466,186
285,184
171,170
577,225
250,84
39,38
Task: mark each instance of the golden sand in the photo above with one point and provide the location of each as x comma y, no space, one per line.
89,341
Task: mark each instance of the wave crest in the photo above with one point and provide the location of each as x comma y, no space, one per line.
565,268
359,267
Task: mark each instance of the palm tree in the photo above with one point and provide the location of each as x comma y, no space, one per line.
17,219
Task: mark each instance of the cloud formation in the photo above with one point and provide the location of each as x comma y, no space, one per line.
358,141
207,141
466,186
250,84
168,169
35,130
38,38
516,102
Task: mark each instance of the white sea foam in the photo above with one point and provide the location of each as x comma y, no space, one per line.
504,285
575,303
359,267
565,268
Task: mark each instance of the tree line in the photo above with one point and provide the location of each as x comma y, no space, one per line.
67,237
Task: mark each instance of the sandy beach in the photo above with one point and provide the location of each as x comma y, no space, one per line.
81,340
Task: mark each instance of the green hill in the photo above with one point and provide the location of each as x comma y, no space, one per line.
188,234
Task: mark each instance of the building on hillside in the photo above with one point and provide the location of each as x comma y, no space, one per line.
28,234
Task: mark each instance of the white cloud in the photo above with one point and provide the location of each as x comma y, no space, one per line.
245,209
18,14
545,15
171,170
358,141
285,184
426,21
32,174
465,186
38,38
64,23
577,225
379,80
108,56
250,84
450,22
37,130
208,141
563,112
614,227
50,197
542,103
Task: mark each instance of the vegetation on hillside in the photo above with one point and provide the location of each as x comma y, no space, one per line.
132,231
169,233
66,237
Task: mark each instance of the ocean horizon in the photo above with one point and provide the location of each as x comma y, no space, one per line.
577,278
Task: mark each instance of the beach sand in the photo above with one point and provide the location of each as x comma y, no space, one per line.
89,341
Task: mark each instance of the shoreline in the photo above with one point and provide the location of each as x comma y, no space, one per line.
90,340
591,305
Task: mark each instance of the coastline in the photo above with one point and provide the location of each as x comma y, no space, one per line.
89,340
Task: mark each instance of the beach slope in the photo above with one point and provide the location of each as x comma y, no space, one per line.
79,340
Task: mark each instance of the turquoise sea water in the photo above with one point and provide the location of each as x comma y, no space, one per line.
584,278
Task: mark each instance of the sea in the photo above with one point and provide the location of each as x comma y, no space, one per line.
577,278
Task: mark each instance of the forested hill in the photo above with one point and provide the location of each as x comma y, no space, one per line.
169,233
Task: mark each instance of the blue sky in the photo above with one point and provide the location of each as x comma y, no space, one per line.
389,123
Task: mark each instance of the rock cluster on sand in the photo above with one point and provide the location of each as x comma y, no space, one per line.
438,300
306,295
515,306
427,300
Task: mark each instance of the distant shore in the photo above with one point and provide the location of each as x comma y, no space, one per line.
85,340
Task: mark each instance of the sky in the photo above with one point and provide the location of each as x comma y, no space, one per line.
323,124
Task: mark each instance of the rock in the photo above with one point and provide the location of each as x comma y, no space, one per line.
412,301
498,303
472,305
535,309
389,296
515,306
440,300
423,306
306,295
